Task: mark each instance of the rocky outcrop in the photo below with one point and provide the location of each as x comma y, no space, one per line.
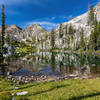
14,32
82,20
19,34
33,30
78,23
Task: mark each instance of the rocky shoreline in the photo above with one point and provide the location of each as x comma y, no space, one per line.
43,78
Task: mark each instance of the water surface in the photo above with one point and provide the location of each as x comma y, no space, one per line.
53,64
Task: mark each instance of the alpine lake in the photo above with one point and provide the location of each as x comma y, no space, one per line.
46,66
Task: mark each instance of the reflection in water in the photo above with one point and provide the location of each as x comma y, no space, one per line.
53,64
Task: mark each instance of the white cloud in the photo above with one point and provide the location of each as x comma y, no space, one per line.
47,19
21,2
53,18
12,2
46,24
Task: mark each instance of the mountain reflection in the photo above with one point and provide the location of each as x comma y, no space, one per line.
53,64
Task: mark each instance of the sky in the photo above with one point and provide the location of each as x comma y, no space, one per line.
48,13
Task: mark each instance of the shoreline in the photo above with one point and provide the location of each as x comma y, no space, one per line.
30,79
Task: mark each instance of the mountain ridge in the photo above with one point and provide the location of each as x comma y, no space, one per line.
37,31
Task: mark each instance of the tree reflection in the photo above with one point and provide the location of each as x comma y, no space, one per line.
53,61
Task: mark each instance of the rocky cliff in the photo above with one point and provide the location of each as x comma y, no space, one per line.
82,20
78,23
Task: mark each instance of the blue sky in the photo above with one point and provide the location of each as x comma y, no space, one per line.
49,13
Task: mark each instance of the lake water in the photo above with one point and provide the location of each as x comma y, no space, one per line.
53,64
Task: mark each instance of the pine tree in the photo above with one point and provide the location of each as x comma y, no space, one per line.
42,44
67,37
82,40
66,30
46,42
98,36
66,34
91,16
60,31
3,28
52,38
70,35
93,43
0,42
8,39
71,30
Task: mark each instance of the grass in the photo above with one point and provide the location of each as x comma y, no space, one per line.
79,89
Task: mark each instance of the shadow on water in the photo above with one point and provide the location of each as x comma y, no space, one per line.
85,96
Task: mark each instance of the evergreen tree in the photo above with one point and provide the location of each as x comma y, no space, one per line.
66,30
52,38
70,35
82,40
60,31
0,42
42,44
91,16
3,28
98,36
66,33
71,30
94,42
67,37
8,39
46,42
